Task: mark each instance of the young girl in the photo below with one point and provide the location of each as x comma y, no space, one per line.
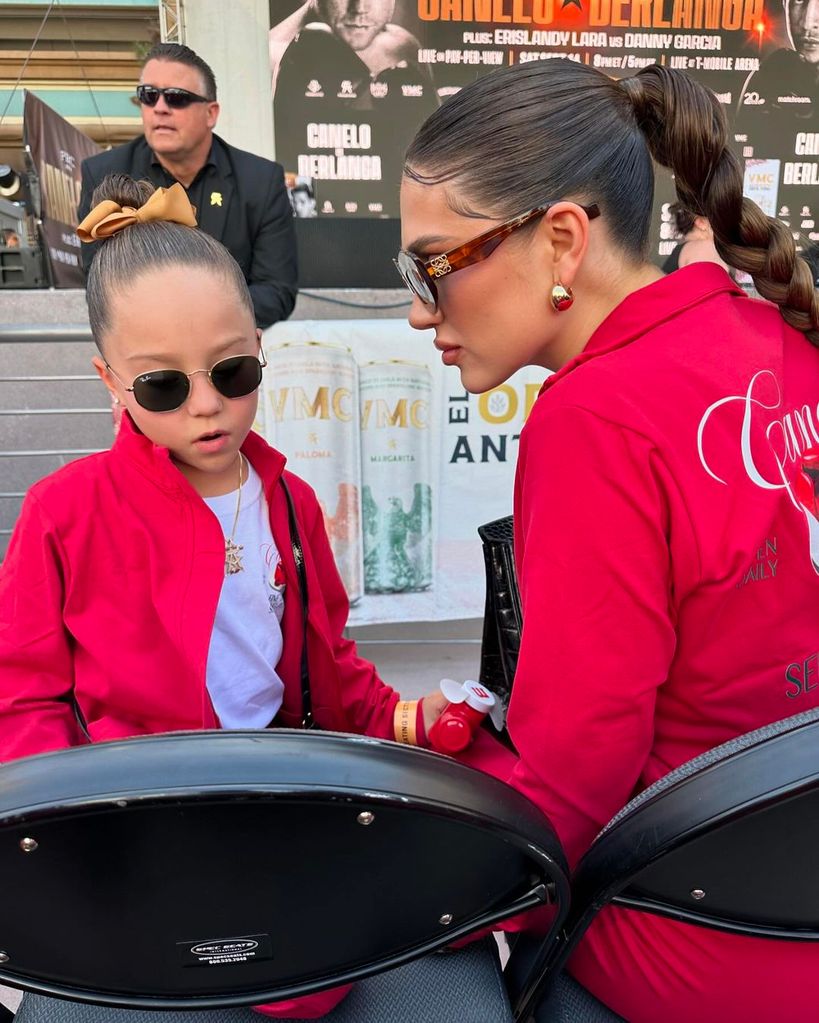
153,587
666,530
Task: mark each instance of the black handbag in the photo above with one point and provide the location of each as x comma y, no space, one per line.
502,619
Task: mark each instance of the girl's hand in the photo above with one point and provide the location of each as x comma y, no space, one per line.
433,706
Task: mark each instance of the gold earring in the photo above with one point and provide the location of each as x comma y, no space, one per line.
562,298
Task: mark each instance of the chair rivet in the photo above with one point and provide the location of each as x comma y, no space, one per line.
697,893
28,844
365,817
446,919
4,957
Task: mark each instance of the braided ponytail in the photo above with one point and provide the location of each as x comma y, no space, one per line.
684,125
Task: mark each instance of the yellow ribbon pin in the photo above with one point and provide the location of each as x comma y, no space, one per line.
216,198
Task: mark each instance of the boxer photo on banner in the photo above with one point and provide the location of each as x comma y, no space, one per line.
349,93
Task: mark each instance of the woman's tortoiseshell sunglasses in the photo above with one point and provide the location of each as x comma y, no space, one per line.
420,275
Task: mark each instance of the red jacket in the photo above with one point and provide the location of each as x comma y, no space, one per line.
108,595
670,603
109,591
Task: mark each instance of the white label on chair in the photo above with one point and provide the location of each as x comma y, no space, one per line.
249,948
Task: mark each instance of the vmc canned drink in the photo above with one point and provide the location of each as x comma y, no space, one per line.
311,415
396,476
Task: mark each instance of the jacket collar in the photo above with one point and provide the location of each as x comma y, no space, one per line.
154,461
267,461
647,308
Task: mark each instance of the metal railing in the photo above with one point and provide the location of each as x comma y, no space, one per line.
41,459
15,333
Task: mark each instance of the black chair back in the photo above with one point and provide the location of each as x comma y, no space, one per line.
230,868
727,840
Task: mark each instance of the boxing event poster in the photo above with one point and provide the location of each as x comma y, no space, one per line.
353,79
57,150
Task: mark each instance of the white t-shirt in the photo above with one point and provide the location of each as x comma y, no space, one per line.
246,643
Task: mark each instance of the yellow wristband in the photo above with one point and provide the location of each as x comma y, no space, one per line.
404,719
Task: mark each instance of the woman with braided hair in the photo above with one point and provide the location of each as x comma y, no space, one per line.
666,531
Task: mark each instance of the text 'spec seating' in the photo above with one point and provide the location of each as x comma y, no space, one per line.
205,871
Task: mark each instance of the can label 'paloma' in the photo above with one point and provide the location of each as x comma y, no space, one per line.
396,476
312,416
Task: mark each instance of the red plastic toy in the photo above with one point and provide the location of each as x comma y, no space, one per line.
468,706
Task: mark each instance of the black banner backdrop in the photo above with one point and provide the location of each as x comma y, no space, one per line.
57,150
354,78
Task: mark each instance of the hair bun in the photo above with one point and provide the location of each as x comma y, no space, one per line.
123,190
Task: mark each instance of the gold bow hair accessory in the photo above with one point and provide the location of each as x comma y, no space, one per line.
108,217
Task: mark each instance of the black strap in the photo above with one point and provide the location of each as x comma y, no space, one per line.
298,557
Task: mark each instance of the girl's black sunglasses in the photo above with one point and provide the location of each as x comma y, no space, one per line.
177,99
166,390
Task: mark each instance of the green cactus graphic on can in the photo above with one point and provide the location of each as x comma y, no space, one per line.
396,492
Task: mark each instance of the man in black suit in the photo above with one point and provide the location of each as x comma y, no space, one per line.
240,198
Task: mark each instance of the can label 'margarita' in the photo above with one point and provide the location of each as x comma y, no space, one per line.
396,480
311,414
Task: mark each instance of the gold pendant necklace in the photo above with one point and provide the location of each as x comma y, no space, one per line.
233,560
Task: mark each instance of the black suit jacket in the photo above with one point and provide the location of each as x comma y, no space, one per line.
245,206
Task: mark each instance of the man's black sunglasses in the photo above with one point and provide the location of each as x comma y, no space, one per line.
177,99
